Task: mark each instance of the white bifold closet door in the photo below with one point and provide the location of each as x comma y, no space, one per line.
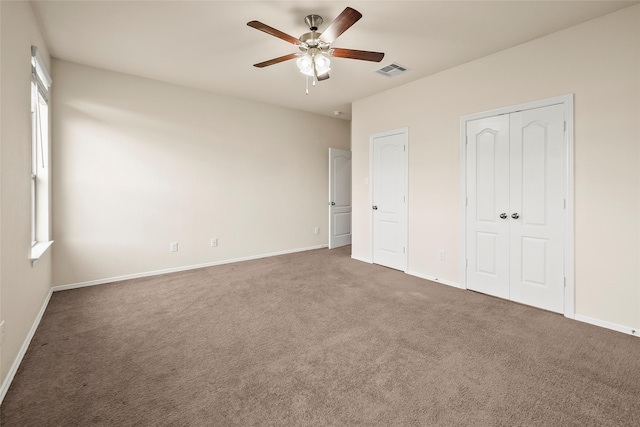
515,206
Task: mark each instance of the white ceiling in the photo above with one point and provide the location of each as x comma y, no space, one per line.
207,44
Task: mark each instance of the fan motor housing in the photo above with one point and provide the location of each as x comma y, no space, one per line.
311,39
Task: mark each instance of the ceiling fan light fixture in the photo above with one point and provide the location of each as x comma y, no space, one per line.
305,64
322,64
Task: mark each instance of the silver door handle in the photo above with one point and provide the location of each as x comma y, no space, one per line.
503,215
374,207
515,215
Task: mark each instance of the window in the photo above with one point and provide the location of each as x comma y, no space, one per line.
40,172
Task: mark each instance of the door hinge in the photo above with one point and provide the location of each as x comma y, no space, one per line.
404,199
404,250
565,282
565,125
565,203
404,148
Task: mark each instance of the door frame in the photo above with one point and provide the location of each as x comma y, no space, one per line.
405,214
568,237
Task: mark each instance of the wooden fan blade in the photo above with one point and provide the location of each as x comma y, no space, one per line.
363,55
346,19
276,60
272,31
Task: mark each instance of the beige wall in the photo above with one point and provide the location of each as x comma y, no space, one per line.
598,61
140,163
24,288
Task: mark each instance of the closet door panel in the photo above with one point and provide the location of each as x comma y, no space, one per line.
537,207
487,205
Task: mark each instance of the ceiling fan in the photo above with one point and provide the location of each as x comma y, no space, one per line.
315,48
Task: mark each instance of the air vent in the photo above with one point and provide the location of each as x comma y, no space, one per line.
392,70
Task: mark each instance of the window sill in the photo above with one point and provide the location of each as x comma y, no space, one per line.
38,250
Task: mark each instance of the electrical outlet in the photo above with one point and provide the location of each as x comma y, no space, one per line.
214,242
173,247
441,254
316,230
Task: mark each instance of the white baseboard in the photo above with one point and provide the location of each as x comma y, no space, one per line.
23,350
178,269
435,279
608,325
368,261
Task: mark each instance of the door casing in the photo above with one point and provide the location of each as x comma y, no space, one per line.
567,102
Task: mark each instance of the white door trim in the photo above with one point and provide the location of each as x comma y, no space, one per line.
404,131
567,102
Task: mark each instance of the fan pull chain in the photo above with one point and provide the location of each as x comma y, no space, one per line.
307,85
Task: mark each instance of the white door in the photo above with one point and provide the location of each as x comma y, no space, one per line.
488,205
537,200
515,206
389,215
339,198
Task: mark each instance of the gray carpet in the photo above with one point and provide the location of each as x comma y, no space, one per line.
315,339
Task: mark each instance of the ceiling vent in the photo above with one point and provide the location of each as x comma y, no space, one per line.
392,70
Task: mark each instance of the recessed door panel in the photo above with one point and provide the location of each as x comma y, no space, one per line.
486,253
342,183
388,237
535,261
534,173
486,175
342,224
387,180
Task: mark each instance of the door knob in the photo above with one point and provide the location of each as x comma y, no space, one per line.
515,215
375,208
503,215
333,203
